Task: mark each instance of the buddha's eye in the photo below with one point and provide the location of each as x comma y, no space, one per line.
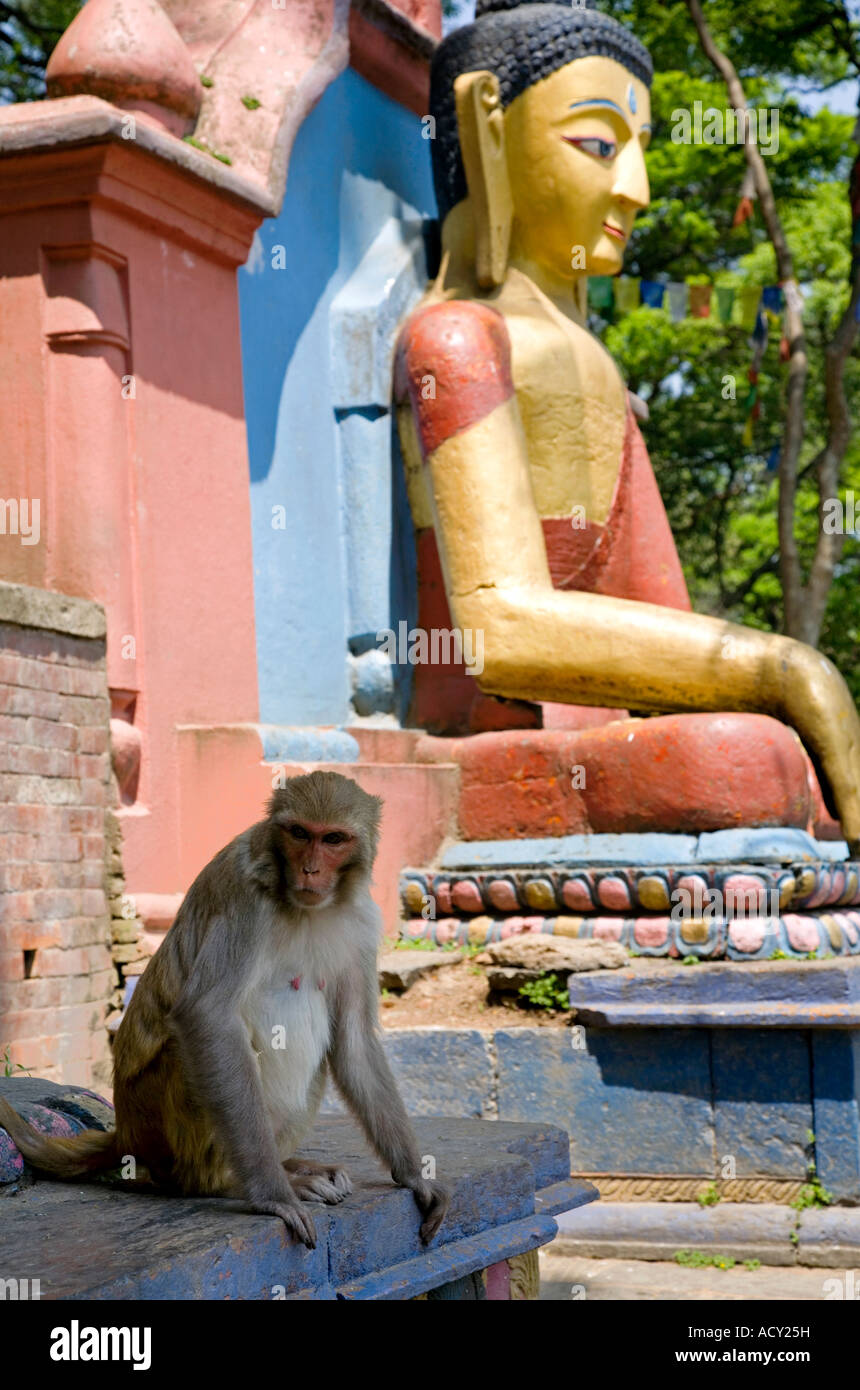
594,145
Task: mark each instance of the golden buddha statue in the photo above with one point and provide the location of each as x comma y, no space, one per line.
525,467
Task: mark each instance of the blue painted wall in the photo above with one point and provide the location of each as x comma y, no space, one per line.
358,160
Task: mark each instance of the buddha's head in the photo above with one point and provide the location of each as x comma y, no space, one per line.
542,117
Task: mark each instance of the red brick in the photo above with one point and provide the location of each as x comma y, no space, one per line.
40,1055
76,709
13,728
50,993
16,699
11,965
42,762
60,874
52,676
85,931
94,793
50,791
78,961
91,766
16,847
18,907
49,903
36,818
72,1047
34,936
57,847
93,740
63,648
49,734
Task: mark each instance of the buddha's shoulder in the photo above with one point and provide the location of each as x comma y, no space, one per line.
456,340
463,325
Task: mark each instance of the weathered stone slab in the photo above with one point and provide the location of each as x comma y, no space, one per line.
439,1071
97,1242
400,969
830,1238
629,1102
836,1109
657,1230
817,994
762,1102
535,951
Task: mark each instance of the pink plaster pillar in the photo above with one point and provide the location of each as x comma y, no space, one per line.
122,413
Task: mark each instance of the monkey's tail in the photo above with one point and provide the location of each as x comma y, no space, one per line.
88,1152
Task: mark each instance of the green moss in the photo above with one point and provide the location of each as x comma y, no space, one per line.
697,1259
198,145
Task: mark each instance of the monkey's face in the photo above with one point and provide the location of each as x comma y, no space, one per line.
317,857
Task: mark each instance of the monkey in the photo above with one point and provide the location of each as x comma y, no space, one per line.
265,983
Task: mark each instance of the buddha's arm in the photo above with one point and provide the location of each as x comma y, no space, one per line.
541,643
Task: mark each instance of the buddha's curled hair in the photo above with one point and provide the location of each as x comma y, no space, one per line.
521,41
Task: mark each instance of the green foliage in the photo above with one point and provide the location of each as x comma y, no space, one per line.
10,1067
691,960
206,81
710,1197
812,1194
697,1259
408,943
29,32
251,103
720,493
545,993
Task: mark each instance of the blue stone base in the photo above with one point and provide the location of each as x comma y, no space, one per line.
758,1079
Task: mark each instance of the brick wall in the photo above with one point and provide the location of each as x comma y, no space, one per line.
56,972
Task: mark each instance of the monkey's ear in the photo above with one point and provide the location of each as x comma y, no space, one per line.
375,805
263,867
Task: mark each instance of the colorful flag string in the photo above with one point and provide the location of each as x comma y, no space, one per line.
728,304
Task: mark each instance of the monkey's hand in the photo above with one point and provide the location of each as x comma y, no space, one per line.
287,1206
433,1201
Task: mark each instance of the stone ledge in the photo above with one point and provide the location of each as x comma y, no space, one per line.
508,1181
64,122
808,994
827,1238
28,607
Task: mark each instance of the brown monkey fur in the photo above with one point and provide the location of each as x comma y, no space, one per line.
221,1058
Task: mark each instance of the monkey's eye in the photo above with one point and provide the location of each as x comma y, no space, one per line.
298,832
335,837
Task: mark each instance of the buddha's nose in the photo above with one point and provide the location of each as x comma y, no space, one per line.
631,177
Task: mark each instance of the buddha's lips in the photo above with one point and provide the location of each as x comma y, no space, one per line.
614,231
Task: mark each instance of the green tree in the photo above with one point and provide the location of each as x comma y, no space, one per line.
29,31
722,495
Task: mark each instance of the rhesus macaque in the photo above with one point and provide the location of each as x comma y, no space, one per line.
266,979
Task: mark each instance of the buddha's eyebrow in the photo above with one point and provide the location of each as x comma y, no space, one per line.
602,101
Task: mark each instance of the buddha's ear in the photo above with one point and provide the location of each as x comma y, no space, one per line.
481,123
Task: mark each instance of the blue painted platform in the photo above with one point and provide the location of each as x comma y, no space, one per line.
92,1241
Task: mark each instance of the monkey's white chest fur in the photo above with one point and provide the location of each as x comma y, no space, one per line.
286,1012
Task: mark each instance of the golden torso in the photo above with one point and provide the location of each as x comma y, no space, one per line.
571,399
